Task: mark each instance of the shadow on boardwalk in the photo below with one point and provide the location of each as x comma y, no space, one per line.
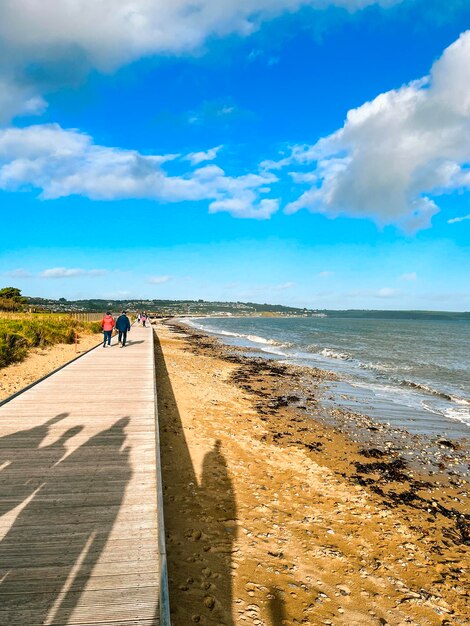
58,513
199,519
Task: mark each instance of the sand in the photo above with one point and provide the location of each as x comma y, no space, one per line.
274,518
41,361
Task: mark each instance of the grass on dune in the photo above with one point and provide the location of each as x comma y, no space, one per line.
23,332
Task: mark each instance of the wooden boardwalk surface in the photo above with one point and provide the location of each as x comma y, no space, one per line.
78,494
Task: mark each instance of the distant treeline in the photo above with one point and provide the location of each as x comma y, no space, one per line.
204,307
175,307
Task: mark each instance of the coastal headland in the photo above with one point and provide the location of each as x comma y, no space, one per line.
274,517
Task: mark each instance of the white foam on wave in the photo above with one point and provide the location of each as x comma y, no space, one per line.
252,338
380,366
225,333
390,392
334,354
247,337
458,413
460,401
435,392
263,340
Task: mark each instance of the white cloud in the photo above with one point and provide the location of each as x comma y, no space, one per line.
68,39
110,34
246,206
198,157
158,280
325,274
386,292
18,273
257,54
409,276
396,151
456,220
55,272
73,272
62,162
303,177
19,100
383,292
301,155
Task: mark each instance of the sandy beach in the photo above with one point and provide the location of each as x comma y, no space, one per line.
275,518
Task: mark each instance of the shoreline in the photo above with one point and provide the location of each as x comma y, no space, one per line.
428,449
317,508
403,401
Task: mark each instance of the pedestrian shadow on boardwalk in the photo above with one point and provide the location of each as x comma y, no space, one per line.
20,450
58,511
200,519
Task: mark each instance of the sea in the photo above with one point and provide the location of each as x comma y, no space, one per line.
412,374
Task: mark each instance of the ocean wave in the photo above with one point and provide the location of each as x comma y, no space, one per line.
267,345
460,400
252,338
435,392
263,340
380,366
462,415
226,333
333,354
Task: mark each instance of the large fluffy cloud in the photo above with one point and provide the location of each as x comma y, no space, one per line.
48,43
111,32
62,162
396,154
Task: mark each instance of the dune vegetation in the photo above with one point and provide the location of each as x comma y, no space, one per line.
20,332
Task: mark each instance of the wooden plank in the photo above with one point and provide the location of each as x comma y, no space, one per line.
78,494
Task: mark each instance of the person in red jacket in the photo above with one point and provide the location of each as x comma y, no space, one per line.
107,324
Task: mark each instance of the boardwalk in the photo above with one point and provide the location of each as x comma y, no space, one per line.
78,485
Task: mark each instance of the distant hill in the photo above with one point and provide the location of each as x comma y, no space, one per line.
203,307
169,307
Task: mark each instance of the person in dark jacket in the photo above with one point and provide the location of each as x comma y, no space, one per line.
123,325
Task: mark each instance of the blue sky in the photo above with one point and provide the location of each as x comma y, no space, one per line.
304,152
